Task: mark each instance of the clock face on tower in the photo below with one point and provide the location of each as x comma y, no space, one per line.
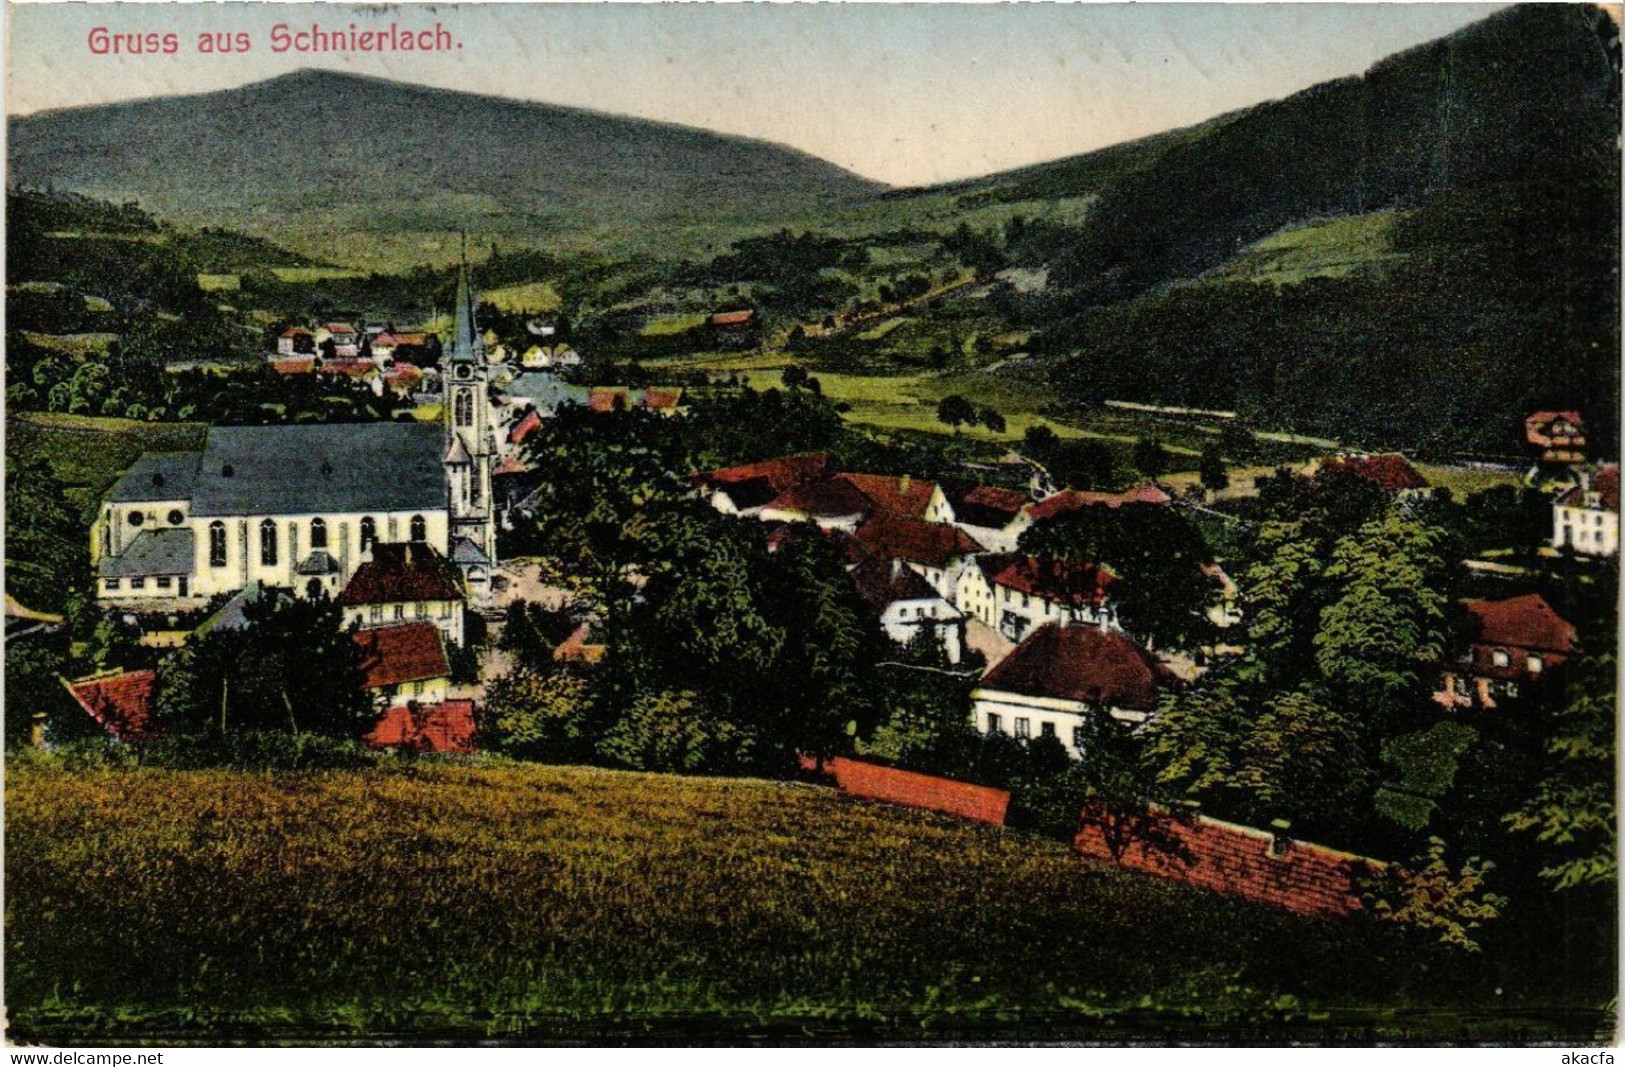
464,372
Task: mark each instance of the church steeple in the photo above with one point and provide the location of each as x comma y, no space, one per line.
466,343
469,446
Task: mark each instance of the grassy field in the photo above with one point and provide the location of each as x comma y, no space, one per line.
1333,248
88,454
217,283
522,901
315,274
532,297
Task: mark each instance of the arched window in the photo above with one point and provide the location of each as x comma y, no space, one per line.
463,407
318,533
369,534
268,543
217,544
420,529
474,489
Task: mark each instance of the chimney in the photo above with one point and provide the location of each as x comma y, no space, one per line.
1280,837
36,731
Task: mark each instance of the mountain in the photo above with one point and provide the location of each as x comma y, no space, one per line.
387,173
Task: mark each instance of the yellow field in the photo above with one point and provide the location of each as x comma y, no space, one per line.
218,283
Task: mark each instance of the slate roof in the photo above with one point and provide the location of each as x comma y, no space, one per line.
985,505
464,551
401,573
881,583
891,537
158,476
1082,663
167,551
320,561
121,701
396,654
302,470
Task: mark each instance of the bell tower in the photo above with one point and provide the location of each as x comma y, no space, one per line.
469,447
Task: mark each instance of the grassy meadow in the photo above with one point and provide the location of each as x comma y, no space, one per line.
509,901
89,453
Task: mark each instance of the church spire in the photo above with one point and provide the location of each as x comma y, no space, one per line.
466,343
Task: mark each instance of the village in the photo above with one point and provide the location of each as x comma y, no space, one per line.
1023,593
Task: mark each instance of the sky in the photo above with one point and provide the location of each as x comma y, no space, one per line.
908,94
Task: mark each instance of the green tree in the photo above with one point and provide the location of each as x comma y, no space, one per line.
539,715
668,730
1302,759
1215,477
1432,897
992,419
1150,457
1572,812
955,411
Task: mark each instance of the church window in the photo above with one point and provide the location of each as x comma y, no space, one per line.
318,533
420,529
474,497
112,584
175,517
163,582
369,534
268,543
217,544
464,408
136,518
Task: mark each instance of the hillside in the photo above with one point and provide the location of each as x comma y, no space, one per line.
543,902
384,173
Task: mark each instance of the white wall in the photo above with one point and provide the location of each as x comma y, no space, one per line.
1588,531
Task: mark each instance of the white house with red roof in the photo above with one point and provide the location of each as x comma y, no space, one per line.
906,604
1508,645
1585,519
403,583
1060,675
404,664
1015,594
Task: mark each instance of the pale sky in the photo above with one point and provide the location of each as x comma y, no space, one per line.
906,93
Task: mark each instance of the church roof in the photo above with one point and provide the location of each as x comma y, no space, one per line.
312,469
152,552
158,476
318,562
466,342
464,551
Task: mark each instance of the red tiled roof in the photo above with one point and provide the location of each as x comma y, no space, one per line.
827,498
985,505
525,426
732,318
404,372
1082,663
401,573
411,339
1070,583
656,399
1525,622
396,654
1069,500
781,473
1537,428
604,399
338,328
1605,483
353,368
296,331
122,702
293,366
895,494
447,727
891,537
576,647
1390,471
512,465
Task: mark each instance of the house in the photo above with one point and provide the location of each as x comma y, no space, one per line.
733,329
121,701
302,506
906,604
988,513
1014,594
306,365
1224,611
405,583
295,341
1557,436
1510,644
1060,675
1585,519
832,503
445,727
404,664
746,489
661,400
938,553
1389,471
346,342
549,357
1070,501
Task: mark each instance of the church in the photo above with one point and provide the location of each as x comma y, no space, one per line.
303,507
